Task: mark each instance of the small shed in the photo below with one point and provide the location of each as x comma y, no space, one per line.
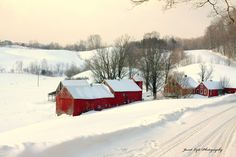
125,91
209,88
138,79
74,100
230,88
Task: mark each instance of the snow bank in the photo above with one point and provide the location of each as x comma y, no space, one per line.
98,125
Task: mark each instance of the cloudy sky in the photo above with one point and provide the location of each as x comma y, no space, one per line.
68,21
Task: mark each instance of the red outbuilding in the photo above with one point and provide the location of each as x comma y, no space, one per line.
125,91
209,88
230,88
74,100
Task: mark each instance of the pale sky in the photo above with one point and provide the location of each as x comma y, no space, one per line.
68,21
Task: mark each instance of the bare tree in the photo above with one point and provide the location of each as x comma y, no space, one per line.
133,58
72,70
224,82
219,7
168,65
152,62
44,64
145,68
19,67
94,41
205,72
156,71
120,51
103,65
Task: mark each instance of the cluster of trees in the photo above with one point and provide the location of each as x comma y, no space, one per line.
219,36
92,42
153,56
111,63
46,69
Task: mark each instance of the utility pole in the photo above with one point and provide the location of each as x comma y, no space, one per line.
38,79
38,75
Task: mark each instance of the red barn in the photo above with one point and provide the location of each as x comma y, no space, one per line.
138,80
74,97
74,100
209,88
230,88
182,87
125,91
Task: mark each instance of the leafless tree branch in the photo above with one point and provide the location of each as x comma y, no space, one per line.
215,4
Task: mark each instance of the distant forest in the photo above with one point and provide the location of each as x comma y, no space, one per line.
93,42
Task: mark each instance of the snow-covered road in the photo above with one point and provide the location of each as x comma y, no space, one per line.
212,136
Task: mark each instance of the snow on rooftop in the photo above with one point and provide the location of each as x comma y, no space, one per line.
191,83
75,83
212,84
90,92
123,85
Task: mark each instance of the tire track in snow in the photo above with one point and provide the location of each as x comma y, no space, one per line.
222,136
188,133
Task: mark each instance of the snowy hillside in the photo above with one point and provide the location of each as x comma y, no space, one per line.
30,127
207,56
219,63
10,55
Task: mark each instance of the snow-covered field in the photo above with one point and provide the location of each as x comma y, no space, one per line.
22,102
10,55
30,127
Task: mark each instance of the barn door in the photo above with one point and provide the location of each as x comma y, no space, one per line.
220,92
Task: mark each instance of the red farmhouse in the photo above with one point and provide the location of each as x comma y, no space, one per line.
184,87
77,96
209,88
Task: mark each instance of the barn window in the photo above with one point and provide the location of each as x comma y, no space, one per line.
205,91
210,92
201,91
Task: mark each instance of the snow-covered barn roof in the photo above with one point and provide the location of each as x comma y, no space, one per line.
123,85
75,83
90,92
190,83
212,84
